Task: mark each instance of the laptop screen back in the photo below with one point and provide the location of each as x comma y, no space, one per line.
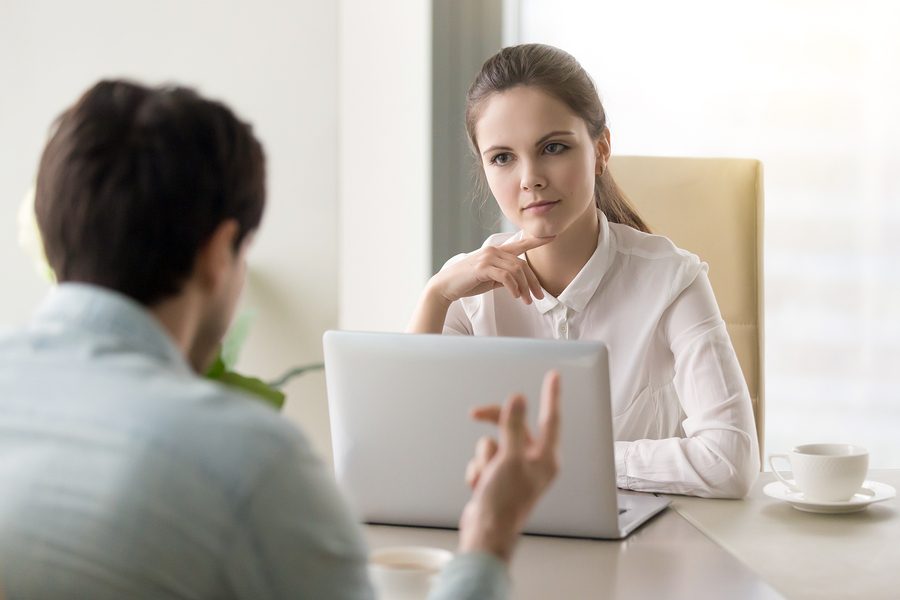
402,436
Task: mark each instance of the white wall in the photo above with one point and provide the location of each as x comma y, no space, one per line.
275,63
385,156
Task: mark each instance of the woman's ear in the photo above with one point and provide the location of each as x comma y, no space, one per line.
603,149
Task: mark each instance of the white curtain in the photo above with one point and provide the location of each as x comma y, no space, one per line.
811,88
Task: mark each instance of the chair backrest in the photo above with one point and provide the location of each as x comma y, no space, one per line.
712,207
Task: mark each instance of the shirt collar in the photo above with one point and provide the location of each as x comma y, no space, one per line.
581,289
104,312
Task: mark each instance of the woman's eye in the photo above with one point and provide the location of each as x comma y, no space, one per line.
501,159
555,148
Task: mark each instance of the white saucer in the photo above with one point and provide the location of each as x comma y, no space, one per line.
869,493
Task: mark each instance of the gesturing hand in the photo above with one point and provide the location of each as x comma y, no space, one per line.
508,477
492,267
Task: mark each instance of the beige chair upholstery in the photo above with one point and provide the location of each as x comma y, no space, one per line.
712,207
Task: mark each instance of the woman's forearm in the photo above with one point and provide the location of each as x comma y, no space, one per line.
713,463
430,313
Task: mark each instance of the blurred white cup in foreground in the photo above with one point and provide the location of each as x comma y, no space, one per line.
406,572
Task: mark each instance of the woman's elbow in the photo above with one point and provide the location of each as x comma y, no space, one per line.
741,483
745,476
742,472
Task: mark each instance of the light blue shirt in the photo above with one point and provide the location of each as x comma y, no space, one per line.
125,475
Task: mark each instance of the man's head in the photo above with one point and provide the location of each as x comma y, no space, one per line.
150,192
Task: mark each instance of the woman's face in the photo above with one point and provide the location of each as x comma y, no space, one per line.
539,160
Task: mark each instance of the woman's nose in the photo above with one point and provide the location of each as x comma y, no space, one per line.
532,178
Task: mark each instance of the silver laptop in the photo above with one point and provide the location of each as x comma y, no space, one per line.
402,436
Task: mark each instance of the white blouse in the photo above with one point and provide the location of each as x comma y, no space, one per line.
681,410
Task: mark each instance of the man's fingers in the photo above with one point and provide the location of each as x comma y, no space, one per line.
548,419
473,472
513,430
485,450
524,245
490,414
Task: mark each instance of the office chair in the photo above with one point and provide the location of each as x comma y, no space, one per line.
712,207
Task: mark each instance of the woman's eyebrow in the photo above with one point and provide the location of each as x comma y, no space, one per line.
492,148
537,143
552,134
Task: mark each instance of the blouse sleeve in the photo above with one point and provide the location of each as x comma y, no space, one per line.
457,321
719,455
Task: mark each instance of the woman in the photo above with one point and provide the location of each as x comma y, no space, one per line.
583,265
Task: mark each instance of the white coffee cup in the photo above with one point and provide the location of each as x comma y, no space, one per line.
825,472
406,572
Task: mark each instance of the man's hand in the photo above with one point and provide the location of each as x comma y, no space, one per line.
508,477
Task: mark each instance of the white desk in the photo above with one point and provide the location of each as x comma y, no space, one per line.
805,555
667,559
756,548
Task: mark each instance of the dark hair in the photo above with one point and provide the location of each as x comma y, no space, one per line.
135,180
557,73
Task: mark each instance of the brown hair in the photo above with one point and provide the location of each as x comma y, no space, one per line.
135,180
557,73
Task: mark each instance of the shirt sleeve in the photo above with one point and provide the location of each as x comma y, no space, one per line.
719,455
472,576
296,538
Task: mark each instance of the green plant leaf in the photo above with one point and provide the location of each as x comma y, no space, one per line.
294,372
235,338
257,388
217,369
253,386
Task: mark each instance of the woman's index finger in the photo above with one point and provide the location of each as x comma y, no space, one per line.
524,245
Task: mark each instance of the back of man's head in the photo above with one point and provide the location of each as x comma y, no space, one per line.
135,180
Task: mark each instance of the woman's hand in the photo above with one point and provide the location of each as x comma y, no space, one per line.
483,270
489,268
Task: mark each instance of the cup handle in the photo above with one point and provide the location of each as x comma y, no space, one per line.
789,484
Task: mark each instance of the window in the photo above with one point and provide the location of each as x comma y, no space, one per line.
812,89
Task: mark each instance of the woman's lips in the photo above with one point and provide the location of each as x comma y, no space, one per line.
539,208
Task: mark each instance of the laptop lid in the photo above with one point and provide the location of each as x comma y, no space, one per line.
401,433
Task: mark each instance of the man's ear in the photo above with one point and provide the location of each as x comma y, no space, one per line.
603,149
217,255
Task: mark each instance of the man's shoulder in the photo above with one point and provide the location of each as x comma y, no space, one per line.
229,430
152,412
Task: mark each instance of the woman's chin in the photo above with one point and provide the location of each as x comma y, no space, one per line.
539,229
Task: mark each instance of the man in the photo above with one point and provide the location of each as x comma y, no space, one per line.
124,474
